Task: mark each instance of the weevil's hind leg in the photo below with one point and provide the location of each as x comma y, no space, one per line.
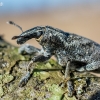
25,79
70,88
28,49
90,67
93,66
68,79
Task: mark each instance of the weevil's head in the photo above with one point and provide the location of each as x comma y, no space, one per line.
35,32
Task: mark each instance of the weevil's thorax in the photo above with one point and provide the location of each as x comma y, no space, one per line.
54,37
43,38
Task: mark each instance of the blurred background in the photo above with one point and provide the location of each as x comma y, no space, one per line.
76,16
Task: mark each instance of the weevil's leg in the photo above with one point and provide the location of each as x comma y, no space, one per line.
39,58
70,88
29,65
81,69
90,67
25,79
28,49
68,80
93,66
67,71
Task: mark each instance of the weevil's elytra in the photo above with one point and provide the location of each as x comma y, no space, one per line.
82,53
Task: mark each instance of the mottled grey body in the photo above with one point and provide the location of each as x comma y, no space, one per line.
83,53
66,46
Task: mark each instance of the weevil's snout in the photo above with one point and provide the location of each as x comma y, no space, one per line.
15,37
35,32
21,40
25,37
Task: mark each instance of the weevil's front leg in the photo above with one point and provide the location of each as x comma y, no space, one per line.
39,58
28,49
25,79
94,66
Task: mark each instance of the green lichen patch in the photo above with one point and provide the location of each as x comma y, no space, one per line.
9,58
56,92
1,91
7,78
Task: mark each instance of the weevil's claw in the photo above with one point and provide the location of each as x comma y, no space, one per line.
70,88
24,80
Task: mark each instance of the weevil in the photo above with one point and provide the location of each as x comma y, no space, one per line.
75,52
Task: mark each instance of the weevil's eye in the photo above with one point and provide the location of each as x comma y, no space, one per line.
15,37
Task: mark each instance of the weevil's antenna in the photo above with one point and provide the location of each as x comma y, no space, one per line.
12,23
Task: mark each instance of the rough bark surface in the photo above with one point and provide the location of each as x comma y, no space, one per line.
44,83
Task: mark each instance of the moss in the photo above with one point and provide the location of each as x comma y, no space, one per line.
7,78
56,92
44,83
1,77
1,91
54,63
48,65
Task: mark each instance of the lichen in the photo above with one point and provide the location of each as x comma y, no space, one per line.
1,91
7,78
44,82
